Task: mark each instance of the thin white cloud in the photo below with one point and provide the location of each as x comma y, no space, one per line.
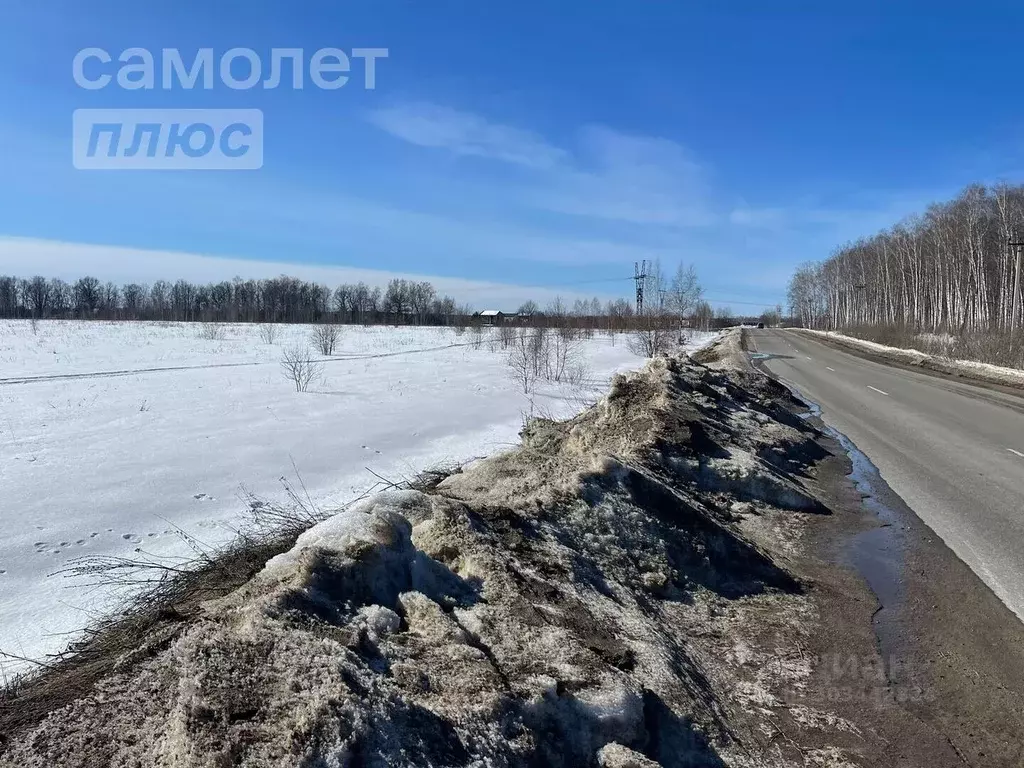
25,257
635,179
610,175
746,216
464,133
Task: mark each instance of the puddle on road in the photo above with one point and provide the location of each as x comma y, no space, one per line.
878,554
768,356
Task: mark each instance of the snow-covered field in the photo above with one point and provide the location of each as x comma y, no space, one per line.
114,436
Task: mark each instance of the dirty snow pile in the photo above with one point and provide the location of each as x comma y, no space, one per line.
588,598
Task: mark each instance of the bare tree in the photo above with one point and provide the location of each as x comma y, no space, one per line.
299,367
703,315
771,317
552,355
539,349
39,293
556,309
268,332
211,331
522,364
326,337
652,336
684,291
564,352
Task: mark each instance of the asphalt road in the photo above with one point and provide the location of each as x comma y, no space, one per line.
952,451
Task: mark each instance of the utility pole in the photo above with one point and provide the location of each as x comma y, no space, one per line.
1016,245
640,275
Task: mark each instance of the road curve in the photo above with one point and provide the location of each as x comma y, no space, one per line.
952,451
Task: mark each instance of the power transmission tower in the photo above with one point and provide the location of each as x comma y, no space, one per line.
1016,245
640,275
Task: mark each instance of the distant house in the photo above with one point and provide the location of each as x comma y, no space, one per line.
490,316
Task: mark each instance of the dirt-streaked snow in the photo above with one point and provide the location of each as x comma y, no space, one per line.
114,435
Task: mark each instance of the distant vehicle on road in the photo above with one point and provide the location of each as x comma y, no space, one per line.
760,325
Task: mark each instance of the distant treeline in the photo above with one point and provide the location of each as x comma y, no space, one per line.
280,299
290,300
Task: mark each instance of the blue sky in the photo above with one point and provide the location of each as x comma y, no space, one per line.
527,143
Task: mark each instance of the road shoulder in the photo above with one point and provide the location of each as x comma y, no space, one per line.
926,364
935,663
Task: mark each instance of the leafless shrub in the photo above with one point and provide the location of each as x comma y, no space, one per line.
889,335
506,335
575,373
650,341
272,520
428,480
552,356
535,417
211,331
992,348
35,326
477,331
685,336
299,367
326,337
522,364
564,348
268,332
538,349
460,330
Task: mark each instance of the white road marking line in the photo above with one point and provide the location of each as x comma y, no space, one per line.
830,369
878,390
1017,453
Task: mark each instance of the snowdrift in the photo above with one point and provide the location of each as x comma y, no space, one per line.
574,601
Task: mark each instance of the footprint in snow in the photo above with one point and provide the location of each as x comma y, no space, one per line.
131,537
94,534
